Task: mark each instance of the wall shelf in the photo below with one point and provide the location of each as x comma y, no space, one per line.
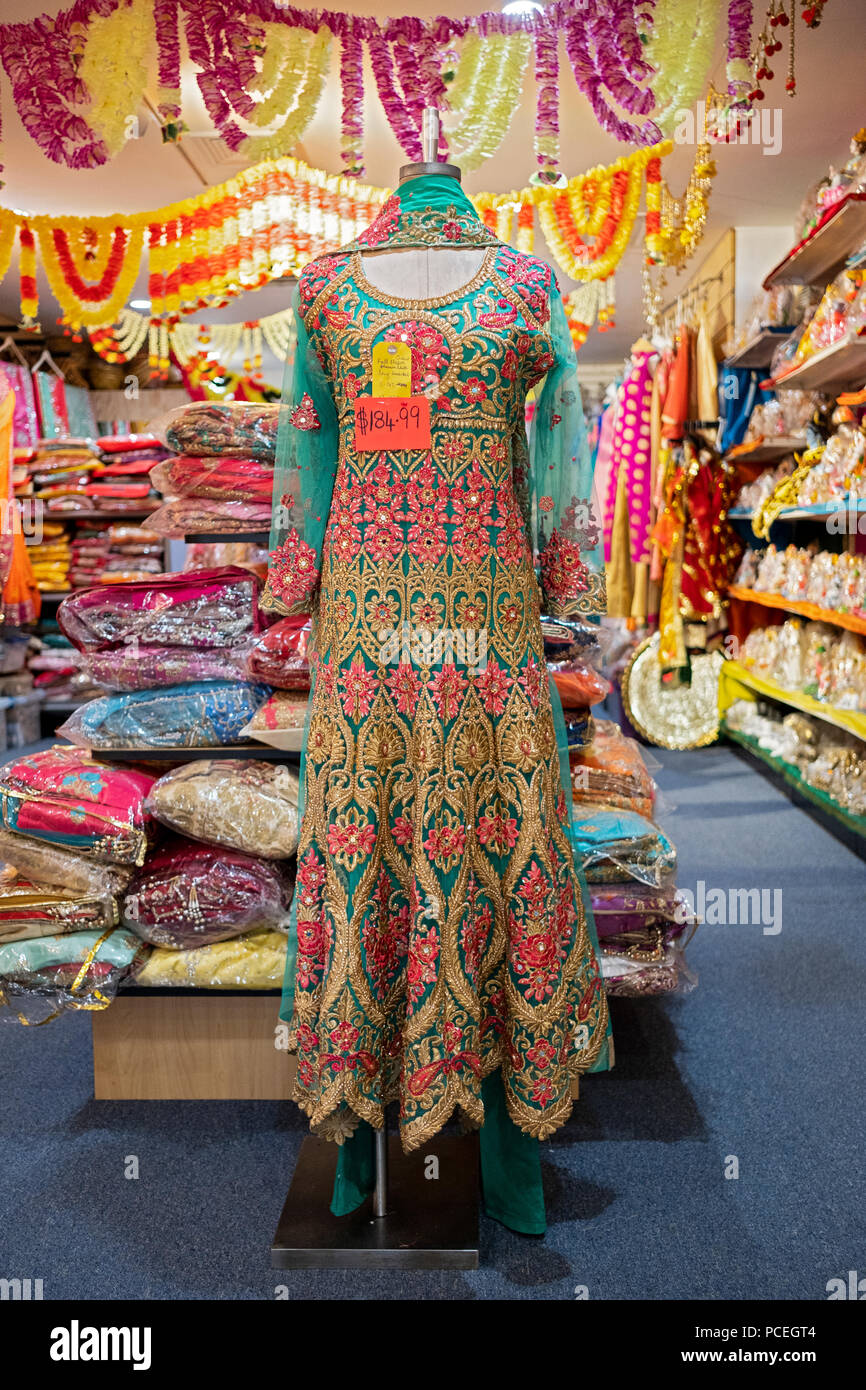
817,259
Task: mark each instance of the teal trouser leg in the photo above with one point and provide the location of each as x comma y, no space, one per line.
356,1171
510,1166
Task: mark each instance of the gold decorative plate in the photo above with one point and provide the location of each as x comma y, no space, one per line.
676,716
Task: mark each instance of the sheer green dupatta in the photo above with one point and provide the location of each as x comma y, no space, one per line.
565,530
567,540
304,473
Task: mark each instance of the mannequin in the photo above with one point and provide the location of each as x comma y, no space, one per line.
413,272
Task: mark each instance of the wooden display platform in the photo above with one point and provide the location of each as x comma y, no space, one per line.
190,1045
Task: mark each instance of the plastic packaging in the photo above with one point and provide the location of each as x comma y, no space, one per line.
613,844
280,656
52,866
189,894
222,477
68,799
579,685
134,668
210,608
255,961
279,722
612,772
244,805
568,638
194,715
29,909
627,978
23,722
42,977
195,516
240,428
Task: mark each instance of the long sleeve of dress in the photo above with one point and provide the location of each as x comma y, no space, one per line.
566,533
306,465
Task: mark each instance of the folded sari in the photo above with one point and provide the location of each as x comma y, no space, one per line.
243,428
64,797
279,657
207,609
194,715
243,805
130,669
223,478
256,960
188,894
28,910
41,977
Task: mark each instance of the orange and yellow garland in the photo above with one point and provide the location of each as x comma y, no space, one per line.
269,221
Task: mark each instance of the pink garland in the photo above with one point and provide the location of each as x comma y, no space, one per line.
165,16
739,37
352,86
546,98
592,73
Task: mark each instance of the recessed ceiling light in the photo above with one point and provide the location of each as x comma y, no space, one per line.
521,7
139,304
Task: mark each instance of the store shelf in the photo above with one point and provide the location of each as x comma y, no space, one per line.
56,595
816,261
827,811
840,367
805,610
261,751
133,517
734,678
222,537
817,511
758,351
769,451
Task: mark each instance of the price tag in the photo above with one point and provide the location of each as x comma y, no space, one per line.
392,369
386,423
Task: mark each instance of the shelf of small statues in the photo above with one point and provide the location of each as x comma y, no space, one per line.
851,621
816,260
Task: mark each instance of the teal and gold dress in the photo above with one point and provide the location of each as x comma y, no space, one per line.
444,958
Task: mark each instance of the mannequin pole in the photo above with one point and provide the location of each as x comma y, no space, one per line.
380,1196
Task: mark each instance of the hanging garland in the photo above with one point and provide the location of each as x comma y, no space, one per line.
675,226
207,349
78,78
271,220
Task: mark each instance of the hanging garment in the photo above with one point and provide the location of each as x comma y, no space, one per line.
630,492
441,931
21,601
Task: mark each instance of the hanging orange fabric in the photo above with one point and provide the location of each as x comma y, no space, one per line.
22,602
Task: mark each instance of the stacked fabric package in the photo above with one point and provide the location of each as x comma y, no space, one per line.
51,558
221,475
643,923
573,653
71,832
214,900
102,554
79,475
173,651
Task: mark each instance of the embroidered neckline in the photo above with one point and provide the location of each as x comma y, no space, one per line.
413,221
381,296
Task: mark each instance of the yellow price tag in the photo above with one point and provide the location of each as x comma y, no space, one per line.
392,369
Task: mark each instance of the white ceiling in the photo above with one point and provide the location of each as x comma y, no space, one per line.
751,189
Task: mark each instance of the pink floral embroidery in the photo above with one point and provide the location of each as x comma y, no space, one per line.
448,686
493,685
563,574
292,571
423,959
305,416
381,229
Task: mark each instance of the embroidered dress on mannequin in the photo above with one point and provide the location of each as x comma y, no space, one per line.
440,925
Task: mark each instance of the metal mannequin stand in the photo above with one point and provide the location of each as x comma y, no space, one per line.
423,1211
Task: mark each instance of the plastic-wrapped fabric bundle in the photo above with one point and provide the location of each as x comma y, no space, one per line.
280,721
244,805
615,844
579,726
51,866
256,960
566,639
136,667
42,977
30,909
192,516
189,894
221,477
280,658
624,907
578,684
240,428
612,772
627,978
197,714
206,609
68,799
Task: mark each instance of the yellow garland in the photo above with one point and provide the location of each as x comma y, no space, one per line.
486,90
8,230
680,48
118,52
298,68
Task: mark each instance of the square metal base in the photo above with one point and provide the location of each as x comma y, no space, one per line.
432,1222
